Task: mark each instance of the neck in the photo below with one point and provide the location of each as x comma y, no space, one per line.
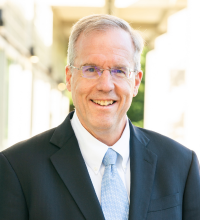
108,136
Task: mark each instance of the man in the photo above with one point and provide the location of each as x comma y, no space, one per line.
96,165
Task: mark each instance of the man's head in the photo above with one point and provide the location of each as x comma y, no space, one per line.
103,22
101,103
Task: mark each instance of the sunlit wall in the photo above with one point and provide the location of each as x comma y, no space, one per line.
19,104
172,79
30,101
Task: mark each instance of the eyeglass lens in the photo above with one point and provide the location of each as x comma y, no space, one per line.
95,72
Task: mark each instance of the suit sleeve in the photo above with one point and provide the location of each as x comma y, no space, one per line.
191,199
12,201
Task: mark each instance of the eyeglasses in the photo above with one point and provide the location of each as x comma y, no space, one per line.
93,72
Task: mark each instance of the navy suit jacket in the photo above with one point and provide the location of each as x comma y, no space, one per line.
45,178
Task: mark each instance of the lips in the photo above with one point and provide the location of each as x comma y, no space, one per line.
103,102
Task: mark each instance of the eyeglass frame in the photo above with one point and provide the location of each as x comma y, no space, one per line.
102,70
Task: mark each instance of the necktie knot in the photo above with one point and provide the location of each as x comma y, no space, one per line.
110,157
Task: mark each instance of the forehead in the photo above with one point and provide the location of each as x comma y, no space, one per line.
112,45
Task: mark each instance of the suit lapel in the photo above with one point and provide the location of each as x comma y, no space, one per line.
71,167
69,163
143,167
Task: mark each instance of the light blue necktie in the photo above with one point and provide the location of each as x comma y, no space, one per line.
114,199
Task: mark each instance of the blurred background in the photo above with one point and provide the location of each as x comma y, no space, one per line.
33,54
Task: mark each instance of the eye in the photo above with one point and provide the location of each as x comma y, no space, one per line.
119,72
90,69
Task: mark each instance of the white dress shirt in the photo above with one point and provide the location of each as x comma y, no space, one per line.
93,152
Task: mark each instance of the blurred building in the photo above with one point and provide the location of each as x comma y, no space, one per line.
172,103
30,101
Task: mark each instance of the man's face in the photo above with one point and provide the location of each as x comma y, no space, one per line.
109,49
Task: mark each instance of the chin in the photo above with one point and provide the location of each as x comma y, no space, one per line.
102,125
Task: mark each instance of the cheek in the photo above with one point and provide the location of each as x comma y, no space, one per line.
127,89
75,90
128,94
80,89
131,86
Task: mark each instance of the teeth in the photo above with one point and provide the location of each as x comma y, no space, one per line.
103,103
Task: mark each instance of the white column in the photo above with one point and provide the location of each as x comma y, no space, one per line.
192,117
3,100
19,100
156,87
41,106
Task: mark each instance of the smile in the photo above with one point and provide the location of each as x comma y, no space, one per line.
103,102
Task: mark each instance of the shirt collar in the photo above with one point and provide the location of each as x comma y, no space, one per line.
93,150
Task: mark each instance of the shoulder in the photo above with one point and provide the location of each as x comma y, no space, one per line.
31,146
40,147
164,147
174,161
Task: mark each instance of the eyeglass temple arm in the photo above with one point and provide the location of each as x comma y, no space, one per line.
74,67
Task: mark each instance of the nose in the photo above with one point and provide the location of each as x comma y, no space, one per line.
105,82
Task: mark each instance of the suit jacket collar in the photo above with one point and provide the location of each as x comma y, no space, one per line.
63,132
143,166
71,167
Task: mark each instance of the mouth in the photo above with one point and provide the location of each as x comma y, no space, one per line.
103,102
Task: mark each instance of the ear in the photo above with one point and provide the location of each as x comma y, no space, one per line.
138,79
68,76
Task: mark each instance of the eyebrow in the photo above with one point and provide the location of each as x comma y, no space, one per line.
118,67
89,64
93,64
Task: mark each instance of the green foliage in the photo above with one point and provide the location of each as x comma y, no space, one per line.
136,111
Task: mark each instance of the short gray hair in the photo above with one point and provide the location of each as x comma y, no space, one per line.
103,22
